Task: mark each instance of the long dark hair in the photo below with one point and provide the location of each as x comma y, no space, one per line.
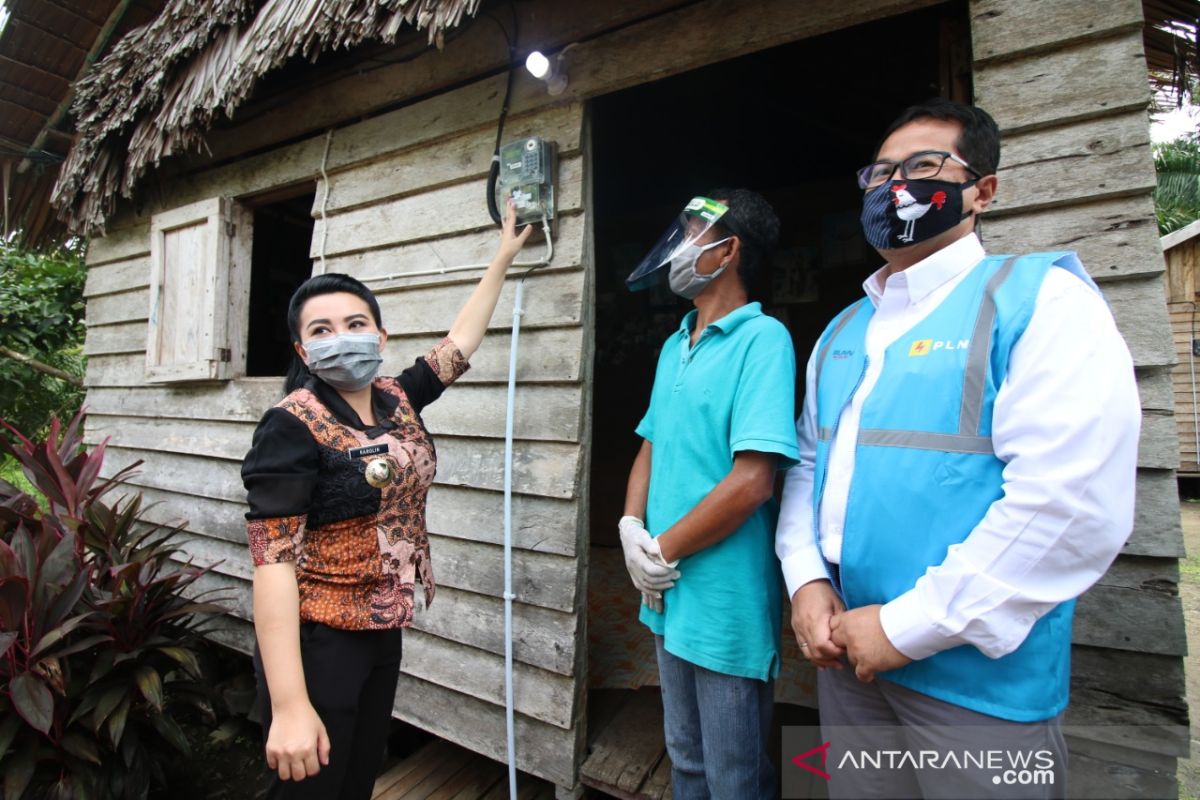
315,286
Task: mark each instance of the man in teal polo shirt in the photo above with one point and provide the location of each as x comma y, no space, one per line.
698,529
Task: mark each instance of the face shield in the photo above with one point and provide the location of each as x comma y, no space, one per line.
700,214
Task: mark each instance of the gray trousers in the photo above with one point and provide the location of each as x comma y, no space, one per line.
871,726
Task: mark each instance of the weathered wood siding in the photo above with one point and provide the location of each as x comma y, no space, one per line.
1181,252
1066,81
403,194
1185,381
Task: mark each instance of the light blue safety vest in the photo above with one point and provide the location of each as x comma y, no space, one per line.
925,472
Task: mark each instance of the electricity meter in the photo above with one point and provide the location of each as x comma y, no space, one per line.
527,176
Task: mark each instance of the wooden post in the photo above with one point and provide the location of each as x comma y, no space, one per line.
7,185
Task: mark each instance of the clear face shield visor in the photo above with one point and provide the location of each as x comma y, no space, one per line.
698,216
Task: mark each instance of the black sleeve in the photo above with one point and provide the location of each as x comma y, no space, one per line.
421,384
429,376
280,470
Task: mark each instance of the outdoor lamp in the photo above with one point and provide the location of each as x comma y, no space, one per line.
553,73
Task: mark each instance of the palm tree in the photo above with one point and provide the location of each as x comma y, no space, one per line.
1177,198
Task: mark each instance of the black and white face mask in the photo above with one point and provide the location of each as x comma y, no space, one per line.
901,213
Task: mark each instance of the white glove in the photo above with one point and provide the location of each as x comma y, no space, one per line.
653,601
643,558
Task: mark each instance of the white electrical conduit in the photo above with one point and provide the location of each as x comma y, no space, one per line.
518,312
509,596
1192,367
425,273
325,198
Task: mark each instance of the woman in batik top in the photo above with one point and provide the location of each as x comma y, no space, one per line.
336,482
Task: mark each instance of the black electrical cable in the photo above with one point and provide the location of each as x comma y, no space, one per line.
494,171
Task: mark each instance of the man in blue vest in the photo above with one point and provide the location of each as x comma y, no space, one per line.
968,451
699,520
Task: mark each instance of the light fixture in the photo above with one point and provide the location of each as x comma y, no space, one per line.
552,72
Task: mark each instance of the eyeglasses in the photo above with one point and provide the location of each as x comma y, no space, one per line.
925,164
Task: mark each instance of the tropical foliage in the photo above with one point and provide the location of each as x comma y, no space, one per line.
41,321
99,630
1177,197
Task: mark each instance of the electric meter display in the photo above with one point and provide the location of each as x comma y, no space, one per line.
527,176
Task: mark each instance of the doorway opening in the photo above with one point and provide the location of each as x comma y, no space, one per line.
794,123
279,263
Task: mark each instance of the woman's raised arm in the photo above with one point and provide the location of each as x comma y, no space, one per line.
472,321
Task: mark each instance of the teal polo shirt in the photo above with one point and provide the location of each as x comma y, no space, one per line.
733,391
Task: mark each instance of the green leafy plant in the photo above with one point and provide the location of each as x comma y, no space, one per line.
41,335
1177,196
10,470
99,627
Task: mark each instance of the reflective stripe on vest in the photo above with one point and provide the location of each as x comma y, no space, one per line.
925,472
967,439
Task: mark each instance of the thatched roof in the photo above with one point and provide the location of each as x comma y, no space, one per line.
164,85
1172,47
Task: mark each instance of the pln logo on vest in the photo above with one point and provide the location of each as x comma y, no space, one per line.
923,347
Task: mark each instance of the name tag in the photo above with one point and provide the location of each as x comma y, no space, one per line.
368,450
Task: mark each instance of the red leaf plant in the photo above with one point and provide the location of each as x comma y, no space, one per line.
100,617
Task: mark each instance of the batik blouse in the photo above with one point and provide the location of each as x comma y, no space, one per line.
358,550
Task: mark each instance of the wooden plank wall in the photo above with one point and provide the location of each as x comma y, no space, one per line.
1182,259
419,209
1066,81
1182,264
1185,381
397,203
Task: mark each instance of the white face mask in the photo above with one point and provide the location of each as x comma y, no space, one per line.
683,278
347,361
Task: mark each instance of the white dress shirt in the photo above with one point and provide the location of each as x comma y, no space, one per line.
1065,422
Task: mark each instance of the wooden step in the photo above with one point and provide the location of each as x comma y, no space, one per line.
444,771
628,755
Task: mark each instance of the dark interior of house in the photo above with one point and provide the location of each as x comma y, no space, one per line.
283,231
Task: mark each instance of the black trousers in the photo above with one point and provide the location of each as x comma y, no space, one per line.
351,679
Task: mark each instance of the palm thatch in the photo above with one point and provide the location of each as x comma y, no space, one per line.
1173,49
162,87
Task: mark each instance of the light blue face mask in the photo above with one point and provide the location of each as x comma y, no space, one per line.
347,361
683,278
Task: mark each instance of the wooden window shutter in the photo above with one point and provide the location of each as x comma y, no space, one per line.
199,282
